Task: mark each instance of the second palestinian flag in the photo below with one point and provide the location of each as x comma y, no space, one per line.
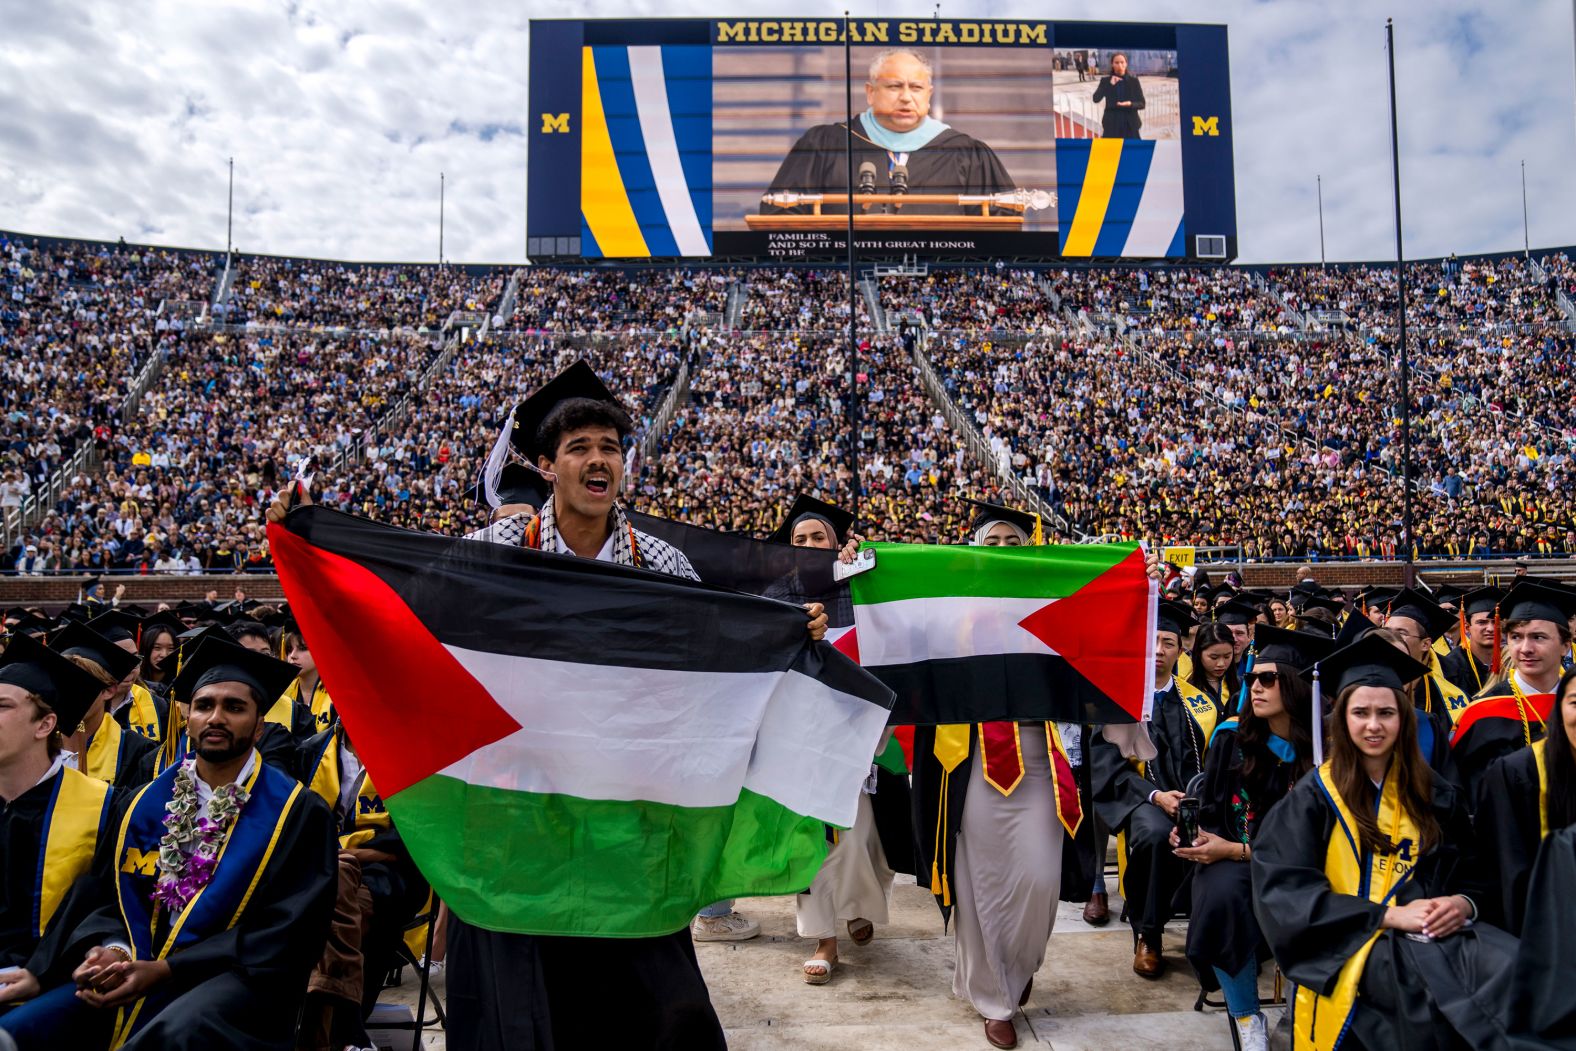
573,747
978,634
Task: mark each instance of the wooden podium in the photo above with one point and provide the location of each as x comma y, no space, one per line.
816,220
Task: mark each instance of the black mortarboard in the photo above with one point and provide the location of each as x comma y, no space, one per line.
163,619
186,643
17,612
1370,661
134,610
1175,618
986,513
218,660
517,484
1530,599
1329,605
1293,649
1237,611
1448,595
1415,605
1483,600
82,641
32,624
834,517
1375,596
116,626
77,613
66,688
275,619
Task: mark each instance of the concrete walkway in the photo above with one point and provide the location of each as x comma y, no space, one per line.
896,992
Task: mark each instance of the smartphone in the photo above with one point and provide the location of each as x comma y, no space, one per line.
1187,821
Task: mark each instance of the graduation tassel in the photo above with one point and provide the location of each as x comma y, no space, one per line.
1495,668
1247,669
1318,720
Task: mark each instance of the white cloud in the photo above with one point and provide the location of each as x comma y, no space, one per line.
116,119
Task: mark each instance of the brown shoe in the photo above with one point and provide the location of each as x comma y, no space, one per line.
1097,910
1000,1034
1147,962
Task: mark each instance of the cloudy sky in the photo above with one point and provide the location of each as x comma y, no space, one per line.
117,117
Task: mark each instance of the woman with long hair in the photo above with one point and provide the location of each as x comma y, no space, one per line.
1213,669
1522,800
1254,758
1358,879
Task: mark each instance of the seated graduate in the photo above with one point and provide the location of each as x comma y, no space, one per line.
379,891
100,747
1513,709
1470,665
1522,800
220,893
1421,623
135,706
1253,761
1542,1012
1211,664
1139,800
53,817
1358,880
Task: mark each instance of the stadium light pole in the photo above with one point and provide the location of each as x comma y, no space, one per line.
1400,285
853,313
229,220
1319,186
1526,240
440,218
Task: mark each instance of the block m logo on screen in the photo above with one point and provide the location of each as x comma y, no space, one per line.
1206,125
559,122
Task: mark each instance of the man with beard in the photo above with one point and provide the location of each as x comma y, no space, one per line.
205,930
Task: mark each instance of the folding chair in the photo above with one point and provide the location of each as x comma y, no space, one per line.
423,968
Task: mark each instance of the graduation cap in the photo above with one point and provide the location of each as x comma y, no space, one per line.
1448,595
216,659
1294,650
521,432
1329,605
986,513
1482,600
808,507
18,613
1415,605
69,690
517,484
134,610
77,613
1537,600
1370,661
32,624
187,642
1375,596
1175,618
166,619
79,640
1237,611
116,626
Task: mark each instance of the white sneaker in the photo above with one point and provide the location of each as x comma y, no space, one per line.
729,928
1252,1034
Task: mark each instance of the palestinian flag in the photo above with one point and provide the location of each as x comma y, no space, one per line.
1060,632
573,747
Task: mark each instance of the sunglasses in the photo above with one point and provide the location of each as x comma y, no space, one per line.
1265,679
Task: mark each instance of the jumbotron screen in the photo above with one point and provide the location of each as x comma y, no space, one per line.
729,139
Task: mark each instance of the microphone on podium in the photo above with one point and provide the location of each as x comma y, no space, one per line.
899,177
867,178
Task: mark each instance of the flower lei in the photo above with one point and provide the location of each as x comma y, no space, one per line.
189,849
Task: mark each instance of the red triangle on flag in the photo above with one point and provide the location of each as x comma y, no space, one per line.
846,643
1102,631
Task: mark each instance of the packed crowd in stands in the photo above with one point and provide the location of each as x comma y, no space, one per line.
1186,404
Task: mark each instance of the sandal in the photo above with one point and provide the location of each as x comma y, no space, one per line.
863,932
818,972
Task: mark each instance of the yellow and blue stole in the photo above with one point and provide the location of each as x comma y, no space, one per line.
283,711
105,754
1321,1021
218,906
1205,715
144,715
370,818
1542,763
77,808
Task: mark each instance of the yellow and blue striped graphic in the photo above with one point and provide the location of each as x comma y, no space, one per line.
645,151
1119,197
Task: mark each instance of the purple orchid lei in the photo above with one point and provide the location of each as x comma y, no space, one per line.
189,850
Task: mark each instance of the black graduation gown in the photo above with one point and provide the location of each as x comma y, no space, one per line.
1458,665
1434,728
1508,826
161,706
137,761
950,163
1426,995
1222,930
1120,122
1121,797
241,988
1543,1011
1479,740
22,831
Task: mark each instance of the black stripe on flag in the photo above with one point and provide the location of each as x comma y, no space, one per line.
998,687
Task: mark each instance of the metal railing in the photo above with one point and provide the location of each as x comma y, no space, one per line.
511,296
663,417
872,294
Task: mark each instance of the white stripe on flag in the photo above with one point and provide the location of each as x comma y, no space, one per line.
916,629
686,738
662,149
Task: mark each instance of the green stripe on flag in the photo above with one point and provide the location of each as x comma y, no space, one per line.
536,863
905,571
